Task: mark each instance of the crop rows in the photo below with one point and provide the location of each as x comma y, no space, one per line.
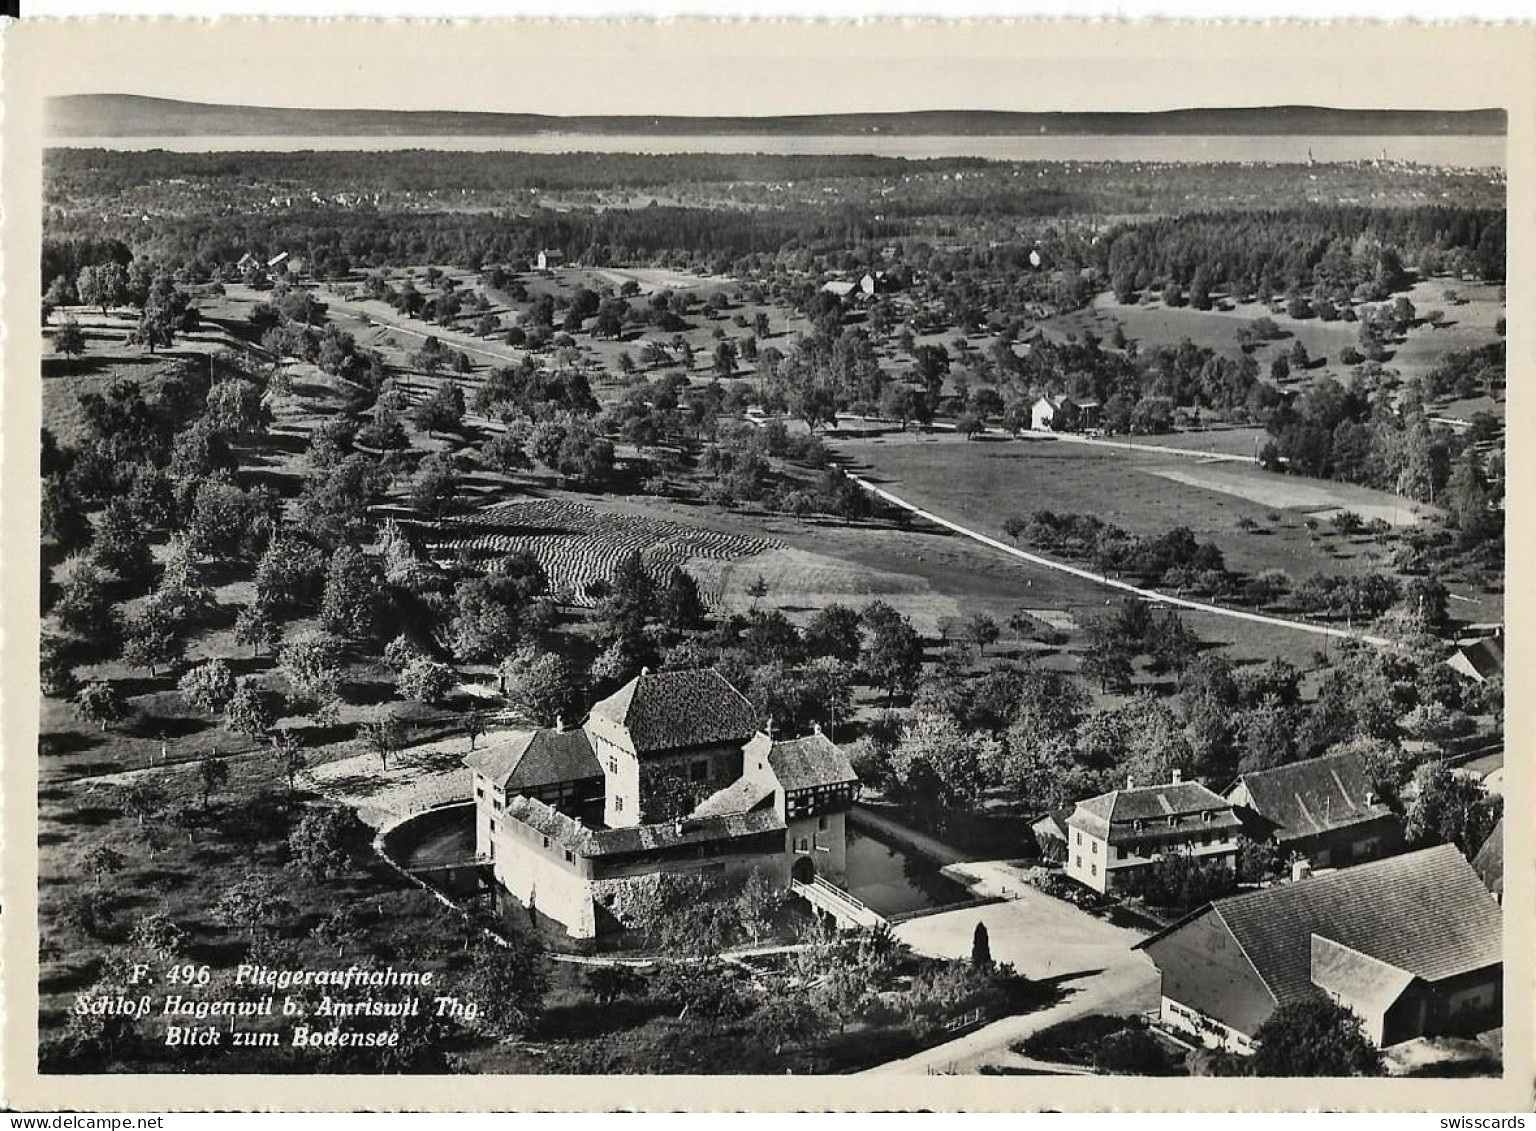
577,544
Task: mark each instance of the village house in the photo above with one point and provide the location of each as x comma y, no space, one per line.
1325,810
1478,659
548,259
873,283
1060,413
842,288
1115,833
1410,944
669,774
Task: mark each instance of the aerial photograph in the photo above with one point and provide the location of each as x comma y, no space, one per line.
945,592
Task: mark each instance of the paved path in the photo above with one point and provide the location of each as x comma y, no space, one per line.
1045,939
1099,579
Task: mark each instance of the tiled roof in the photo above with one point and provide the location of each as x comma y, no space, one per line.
572,834
681,709
1489,861
1368,984
741,796
803,763
1424,912
1114,814
1315,796
1485,657
531,758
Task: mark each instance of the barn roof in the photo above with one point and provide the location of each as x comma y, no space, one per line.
1489,861
1423,912
678,710
1314,796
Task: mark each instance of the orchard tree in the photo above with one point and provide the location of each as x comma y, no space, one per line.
681,606
509,982
247,711
69,339
100,860
1450,808
255,627
325,842
425,680
382,737
212,773
150,641
349,606
288,750
208,686
159,934
99,702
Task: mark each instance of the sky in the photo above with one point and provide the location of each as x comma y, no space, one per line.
723,68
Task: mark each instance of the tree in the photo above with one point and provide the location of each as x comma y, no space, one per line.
325,842
834,632
350,605
382,737
69,339
935,763
255,627
894,658
443,411
99,702
1314,1037
758,903
100,860
541,685
141,799
1450,808
160,935
425,680
150,641
679,601
980,630
1107,659
212,774
85,607
253,905
609,983
509,983
247,711
289,751
981,948
311,662
208,686
789,1017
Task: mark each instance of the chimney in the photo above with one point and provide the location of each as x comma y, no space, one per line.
1178,776
1301,869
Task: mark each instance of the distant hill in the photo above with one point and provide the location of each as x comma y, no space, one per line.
132,115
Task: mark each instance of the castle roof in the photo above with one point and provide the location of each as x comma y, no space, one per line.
803,763
527,759
679,709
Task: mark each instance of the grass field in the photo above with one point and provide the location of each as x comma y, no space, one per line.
981,483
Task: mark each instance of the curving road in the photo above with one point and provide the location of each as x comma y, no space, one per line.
1100,579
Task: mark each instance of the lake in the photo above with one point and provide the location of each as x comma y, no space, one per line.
1459,150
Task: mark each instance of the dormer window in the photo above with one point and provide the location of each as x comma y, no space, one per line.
1206,816
1173,820
1140,824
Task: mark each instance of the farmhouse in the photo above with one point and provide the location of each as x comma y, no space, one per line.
1117,832
1411,944
1478,660
842,288
1324,809
669,774
874,283
1059,413
548,259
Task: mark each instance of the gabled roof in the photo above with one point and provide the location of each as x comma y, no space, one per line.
803,763
677,710
530,758
1314,796
839,287
1114,814
1482,658
1489,861
1368,984
1423,912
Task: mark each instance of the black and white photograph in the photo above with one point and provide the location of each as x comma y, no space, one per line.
627,576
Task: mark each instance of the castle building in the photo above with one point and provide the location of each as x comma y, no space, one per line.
670,774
